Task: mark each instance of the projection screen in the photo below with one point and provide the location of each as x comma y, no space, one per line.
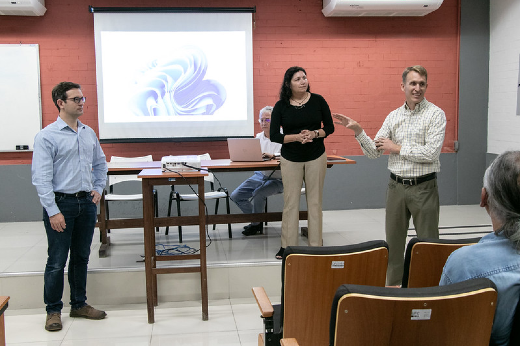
167,76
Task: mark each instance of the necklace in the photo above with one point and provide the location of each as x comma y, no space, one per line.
301,103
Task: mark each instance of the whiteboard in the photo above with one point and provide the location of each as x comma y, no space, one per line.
20,96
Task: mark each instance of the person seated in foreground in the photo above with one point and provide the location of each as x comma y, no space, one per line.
251,195
496,256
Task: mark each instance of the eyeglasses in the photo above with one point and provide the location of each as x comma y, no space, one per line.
265,120
77,99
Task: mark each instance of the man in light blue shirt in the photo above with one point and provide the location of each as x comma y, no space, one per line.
496,256
69,172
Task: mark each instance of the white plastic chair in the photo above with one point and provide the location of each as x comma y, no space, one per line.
221,192
117,179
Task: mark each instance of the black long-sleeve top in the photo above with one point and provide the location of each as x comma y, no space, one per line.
295,119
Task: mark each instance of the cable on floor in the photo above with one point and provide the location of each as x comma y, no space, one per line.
172,250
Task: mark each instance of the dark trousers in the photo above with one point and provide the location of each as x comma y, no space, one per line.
80,218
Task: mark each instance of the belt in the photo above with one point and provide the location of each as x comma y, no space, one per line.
80,194
413,181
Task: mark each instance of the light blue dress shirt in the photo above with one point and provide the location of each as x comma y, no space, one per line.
493,257
67,161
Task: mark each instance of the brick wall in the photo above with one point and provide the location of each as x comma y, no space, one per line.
355,63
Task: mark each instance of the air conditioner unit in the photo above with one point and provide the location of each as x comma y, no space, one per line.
22,7
379,8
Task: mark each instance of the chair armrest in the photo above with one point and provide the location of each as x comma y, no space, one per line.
264,304
289,342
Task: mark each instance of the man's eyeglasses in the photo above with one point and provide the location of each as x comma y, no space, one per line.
265,120
77,99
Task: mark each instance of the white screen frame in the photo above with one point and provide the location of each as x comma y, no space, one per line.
230,123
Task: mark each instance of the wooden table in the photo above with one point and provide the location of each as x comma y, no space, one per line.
151,178
215,166
3,307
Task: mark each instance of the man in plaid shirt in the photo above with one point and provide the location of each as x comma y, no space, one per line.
412,135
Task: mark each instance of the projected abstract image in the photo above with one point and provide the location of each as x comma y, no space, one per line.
173,76
177,85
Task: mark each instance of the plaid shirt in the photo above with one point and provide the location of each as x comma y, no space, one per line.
420,132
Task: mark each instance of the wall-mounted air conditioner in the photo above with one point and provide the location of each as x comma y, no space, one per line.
22,7
379,8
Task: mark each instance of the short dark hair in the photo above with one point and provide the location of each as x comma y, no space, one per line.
59,92
285,90
502,184
416,68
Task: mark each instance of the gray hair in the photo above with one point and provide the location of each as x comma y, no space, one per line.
267,109
502,184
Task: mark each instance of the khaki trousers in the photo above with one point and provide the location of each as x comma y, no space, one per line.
293,175
421,202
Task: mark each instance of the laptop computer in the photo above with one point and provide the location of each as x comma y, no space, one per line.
245,149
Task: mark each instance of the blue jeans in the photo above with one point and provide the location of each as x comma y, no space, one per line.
80,218
252,188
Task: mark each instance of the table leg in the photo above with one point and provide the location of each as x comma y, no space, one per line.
202,236
2,330
105,241
149,247
154,265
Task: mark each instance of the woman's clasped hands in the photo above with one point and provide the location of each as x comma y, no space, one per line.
307,136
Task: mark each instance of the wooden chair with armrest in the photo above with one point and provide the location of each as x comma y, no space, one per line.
457,314
3,306
289,342
310,277
425,259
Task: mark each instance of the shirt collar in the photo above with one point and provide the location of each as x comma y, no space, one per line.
418,106
62,124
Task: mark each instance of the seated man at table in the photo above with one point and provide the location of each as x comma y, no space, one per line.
251,195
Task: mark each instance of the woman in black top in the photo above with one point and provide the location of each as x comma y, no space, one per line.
306,120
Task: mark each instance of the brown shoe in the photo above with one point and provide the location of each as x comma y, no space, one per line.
89,312
53,322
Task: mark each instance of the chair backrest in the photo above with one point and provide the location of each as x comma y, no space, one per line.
206,157
425,259
311,276
458,314
115,179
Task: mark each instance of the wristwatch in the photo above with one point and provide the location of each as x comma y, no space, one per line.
317,133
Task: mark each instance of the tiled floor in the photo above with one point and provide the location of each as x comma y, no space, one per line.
232,322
